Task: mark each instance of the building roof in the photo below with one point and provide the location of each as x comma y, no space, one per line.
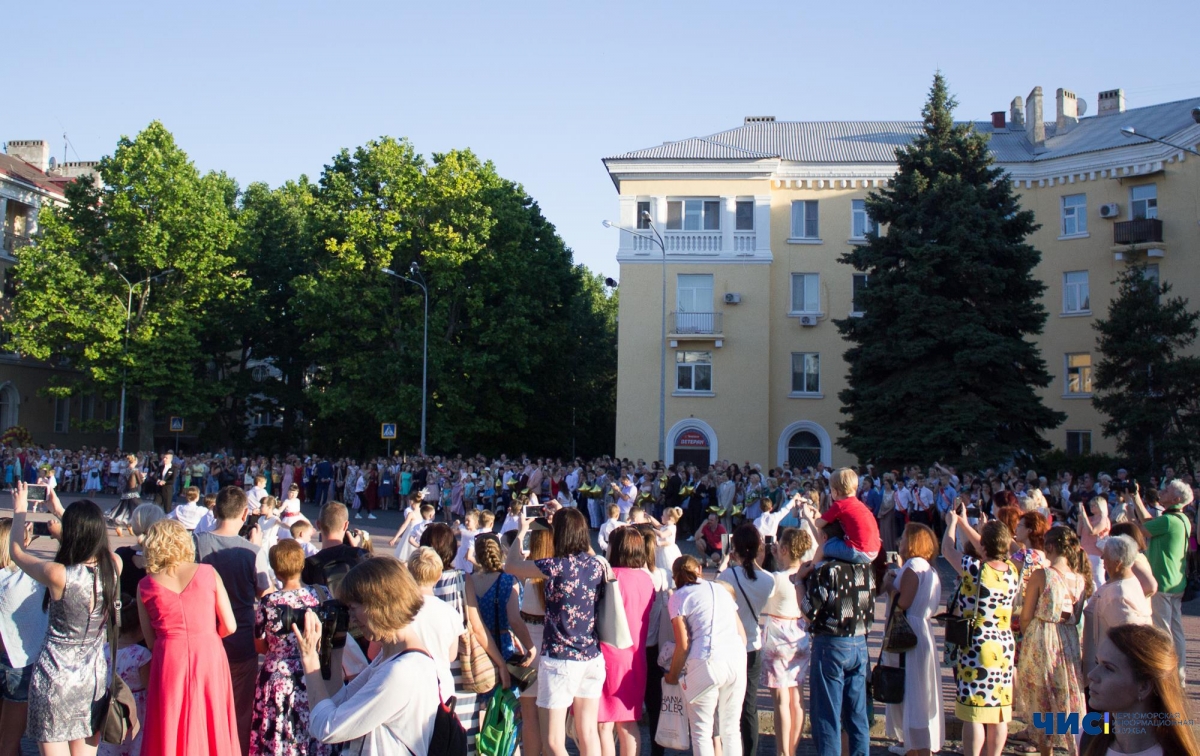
876,141
18,170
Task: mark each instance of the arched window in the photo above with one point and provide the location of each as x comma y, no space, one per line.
804,450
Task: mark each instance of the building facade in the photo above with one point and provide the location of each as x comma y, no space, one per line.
755,219
30,180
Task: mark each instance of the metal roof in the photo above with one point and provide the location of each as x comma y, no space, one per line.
876,141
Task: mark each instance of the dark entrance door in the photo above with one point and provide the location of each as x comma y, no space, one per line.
691,448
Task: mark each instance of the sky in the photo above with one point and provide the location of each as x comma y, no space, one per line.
267,91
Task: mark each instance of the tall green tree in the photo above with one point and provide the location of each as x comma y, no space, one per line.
942,365
154,212
1147,382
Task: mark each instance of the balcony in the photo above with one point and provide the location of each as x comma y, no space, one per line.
1140,231
694,242
12,242
695,325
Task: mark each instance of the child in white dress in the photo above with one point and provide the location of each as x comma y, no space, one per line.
667,551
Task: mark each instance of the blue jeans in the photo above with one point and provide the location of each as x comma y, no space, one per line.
836,548
14,681
837,684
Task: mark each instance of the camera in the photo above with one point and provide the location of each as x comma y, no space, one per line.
334,617
769,540
37,493
250,524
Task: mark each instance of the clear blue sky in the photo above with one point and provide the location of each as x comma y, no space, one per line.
269,90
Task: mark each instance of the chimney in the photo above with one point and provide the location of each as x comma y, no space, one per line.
1016,113
758,119
36,152
1111,102
1068,111
85,169
998,119
1035,127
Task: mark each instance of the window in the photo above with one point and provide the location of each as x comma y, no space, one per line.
111,408
1079,442
744,215
262,419
1074,214
62,415
1143,201
804,220
643,215
860,283
804,450
693,215
1152,273
693,371
806,292
87,408
1075,292
1079,374
860,223
806,373
694,304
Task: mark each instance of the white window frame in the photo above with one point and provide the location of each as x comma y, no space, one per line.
1151,207
62,415
810,308
681,363
802,209
805,390
858,207
1077,293
639,222
701,202
1085,375
1073,211
1083,434
866,279
691,279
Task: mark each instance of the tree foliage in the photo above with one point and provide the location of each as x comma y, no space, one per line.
941,365
1145,382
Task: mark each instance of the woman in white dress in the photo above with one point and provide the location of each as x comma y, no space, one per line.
917,722
667,551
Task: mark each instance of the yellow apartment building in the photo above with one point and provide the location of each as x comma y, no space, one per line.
754,220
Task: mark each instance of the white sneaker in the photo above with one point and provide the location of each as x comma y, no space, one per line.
372,517
358,515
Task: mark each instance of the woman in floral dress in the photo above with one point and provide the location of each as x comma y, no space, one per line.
1050,667
280,723
983,671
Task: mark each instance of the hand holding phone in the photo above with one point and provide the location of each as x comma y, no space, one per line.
36,493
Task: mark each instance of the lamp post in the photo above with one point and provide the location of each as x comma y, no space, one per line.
1129,131
662,342
415,270
125,347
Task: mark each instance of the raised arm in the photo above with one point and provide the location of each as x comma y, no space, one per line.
516,564
50,574
949,547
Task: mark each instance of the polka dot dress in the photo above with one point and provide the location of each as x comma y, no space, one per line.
984,670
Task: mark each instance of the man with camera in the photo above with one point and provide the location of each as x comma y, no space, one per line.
246,576
339,548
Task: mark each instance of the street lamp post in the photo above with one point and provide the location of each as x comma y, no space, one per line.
125,347
1129,131
416,271
662,341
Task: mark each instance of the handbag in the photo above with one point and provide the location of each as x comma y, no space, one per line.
898,635
120,708
478,672
958,628
612,626
887,682
673,730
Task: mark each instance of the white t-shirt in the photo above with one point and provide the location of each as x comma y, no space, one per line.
466,542
22,621
758,590
605,531
189,515
439,625
710,613
391,706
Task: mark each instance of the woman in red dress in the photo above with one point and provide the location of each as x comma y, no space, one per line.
189,702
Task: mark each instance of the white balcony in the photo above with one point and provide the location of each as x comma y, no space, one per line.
694,242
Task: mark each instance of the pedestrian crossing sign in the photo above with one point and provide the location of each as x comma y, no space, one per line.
387,431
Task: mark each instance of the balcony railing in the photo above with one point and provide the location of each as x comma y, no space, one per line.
743,241
693,241
696,323
13,242
1140,231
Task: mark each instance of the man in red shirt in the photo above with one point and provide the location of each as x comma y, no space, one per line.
708,539
860,543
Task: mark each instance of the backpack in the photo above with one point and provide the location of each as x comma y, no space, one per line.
498,731
449,736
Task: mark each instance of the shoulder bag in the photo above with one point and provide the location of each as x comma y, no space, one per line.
478,672
887,682
612,626
898,635
120,710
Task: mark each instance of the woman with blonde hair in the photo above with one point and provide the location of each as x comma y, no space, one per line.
189,701
1136,680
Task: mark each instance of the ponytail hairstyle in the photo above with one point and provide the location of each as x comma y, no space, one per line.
1063,541
747,542
675,513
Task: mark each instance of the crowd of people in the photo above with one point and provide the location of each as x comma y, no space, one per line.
558,593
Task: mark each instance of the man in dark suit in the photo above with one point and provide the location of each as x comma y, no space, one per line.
671,490
166,482
324,474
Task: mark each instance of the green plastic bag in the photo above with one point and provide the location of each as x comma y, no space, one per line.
498,731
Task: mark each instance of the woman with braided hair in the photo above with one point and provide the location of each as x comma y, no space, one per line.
1050,662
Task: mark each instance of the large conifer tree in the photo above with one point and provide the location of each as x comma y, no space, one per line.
942,365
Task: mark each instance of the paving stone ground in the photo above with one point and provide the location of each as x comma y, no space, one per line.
385,526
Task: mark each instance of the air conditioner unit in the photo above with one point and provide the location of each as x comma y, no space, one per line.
732,297
1111,210
808,320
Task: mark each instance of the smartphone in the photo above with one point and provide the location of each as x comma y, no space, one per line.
534,510
37,492
41,528
973,512
769,540
893,557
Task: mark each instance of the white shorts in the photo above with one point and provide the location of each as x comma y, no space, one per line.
561,681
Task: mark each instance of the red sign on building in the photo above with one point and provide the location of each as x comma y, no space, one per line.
693,439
